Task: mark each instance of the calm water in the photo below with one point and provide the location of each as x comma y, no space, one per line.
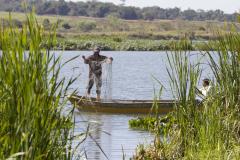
133,78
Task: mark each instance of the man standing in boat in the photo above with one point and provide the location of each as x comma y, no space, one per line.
95,62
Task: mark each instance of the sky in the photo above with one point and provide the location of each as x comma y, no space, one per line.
228,6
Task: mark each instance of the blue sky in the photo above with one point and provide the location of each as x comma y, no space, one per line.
228,6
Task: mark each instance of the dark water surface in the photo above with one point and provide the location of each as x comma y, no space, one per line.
134,76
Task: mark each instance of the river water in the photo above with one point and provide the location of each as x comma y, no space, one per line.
134,75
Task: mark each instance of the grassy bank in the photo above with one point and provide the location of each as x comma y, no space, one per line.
123,43
116,44
82,33
32,96
211,131
157,29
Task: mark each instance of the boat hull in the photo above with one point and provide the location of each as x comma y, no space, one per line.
122,106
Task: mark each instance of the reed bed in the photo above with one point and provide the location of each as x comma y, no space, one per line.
32,96
211,129
123,44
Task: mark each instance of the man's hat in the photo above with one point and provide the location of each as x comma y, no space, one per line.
96,49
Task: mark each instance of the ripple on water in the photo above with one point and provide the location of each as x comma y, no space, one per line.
132,79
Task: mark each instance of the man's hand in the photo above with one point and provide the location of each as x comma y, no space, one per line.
109,60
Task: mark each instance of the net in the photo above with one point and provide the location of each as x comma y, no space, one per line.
107,81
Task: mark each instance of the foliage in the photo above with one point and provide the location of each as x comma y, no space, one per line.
119,43
146,123
46,23
116,44
87,26
210,130
153,124
32,96
15,22
116,24
99,9
113,26
66,25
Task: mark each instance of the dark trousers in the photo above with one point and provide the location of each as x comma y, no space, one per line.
97,78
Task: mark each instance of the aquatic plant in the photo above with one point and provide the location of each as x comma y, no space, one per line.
211,129
153,123
110,44
144,123
33,119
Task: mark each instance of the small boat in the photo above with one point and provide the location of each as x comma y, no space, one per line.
121,106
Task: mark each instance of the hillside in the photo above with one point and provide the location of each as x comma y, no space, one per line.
78,32
99,9
156,29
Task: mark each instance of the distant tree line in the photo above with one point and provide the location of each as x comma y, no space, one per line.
98,9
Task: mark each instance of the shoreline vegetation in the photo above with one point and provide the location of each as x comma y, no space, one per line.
208,131
34,121
114,34
33,99
152,123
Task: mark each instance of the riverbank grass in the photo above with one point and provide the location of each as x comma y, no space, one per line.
210,130
32,96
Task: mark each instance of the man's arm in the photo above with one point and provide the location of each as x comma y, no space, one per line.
103,58
87,60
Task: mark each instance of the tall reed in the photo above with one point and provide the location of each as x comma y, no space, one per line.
32,96
211,129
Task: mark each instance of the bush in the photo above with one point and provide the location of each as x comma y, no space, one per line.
14,22
46,23
87,26
202,28
66,26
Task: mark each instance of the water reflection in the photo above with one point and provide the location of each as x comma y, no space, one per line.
112,134
132,79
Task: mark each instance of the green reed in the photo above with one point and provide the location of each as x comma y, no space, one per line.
211,129
32,96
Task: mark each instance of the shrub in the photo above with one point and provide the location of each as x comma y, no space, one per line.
66,26
202,28
46,23
87,26
14,22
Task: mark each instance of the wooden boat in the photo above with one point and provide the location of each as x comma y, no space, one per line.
121,106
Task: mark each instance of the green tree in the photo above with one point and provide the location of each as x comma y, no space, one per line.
62,8
98,9
128,13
